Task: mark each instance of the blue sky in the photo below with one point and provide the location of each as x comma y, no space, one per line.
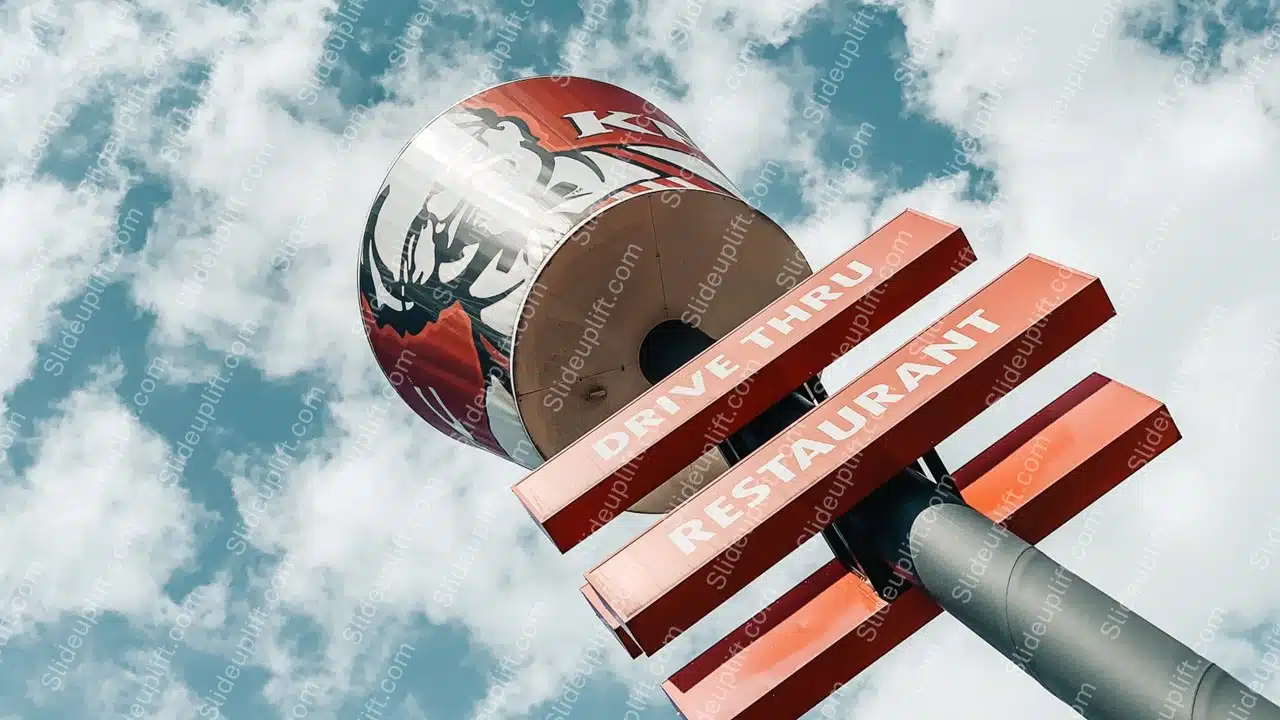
129,478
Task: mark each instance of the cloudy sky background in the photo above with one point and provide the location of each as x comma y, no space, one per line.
1137,141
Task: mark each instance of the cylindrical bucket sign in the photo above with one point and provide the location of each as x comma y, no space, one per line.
467,213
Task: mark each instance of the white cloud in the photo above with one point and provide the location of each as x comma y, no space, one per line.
139,681
410,710
92,514
64,236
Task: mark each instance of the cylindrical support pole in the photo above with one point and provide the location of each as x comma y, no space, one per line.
1091,652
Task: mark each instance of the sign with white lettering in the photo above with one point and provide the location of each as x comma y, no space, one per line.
760,509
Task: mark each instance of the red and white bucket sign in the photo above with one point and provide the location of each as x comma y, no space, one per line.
466,215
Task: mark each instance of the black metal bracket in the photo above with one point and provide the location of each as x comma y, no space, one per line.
939,472
849,538
853,536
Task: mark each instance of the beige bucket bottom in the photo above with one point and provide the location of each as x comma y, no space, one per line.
676,254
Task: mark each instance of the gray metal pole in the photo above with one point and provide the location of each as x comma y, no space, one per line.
1098,657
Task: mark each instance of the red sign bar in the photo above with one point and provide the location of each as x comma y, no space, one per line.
744,522
832,626
608,618
606,471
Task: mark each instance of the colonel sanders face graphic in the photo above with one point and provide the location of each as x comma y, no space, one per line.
450,247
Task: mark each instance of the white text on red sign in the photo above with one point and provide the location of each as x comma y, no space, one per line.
871,401
719,367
